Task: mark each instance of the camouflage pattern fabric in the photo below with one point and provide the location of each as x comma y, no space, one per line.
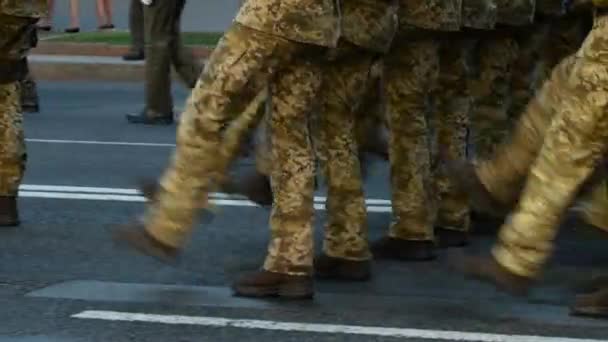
12,141
479,14
489,120
24,8
411,73
574,143
294,94
451,123
305,21
346,81
435,15
201,157
370,24
516,12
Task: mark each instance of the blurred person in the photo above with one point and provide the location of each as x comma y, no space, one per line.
104,14
136,27
74,17
46,23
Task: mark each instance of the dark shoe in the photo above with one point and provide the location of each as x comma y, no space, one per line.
9,216
106,27
489,271
72,30
451,238
255,186
591,305
594,284
271,284
327,267
46,28
465,178
134,55
150,118
404,250
136,237
484,224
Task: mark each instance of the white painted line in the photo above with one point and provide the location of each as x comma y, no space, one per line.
373,202
320,328
95,142
141,199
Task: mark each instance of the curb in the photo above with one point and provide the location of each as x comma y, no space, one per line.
90,62
99,49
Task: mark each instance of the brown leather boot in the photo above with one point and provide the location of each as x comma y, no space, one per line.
327,267
137,238
465,178
594,304
592,285
451,238
404,250
270,284
9,216
255,186
487,270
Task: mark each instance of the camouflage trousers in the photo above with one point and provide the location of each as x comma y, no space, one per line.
490,89
292,175
12,142
206,138
450,123
524,72
559,141
348,79
411,73
14,40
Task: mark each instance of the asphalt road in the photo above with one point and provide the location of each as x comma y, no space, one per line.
62,279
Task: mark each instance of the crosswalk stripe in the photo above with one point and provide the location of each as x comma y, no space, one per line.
318,328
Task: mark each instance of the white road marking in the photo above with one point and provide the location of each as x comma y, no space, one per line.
133,195
320,328
96,142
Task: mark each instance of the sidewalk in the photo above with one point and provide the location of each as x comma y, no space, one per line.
89,61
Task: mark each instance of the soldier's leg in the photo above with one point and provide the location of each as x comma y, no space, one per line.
574,145
530,42
29,93
411,72
15,41
12,152
489,120
287,270
200,158
451,119
345,247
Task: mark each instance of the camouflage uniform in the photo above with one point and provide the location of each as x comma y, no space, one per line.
17,26
497,54
557,144
368,27
269,40
411,72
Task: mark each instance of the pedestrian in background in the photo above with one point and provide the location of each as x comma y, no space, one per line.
104,14
136,26
163,49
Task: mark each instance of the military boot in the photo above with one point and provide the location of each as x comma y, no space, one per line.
29,96
487,270
484,224
9,216
404,250
327,267
270,284
150,117
255,186
594,304
137,238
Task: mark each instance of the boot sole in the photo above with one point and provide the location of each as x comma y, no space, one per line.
591,311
